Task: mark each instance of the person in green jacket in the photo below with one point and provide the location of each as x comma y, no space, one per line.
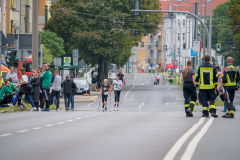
46,78
6,93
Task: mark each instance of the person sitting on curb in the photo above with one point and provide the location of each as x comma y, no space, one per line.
6,94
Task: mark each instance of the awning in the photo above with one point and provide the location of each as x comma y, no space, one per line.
171,65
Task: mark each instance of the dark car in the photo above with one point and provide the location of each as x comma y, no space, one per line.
82,85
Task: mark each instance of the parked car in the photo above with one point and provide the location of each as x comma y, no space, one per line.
82,85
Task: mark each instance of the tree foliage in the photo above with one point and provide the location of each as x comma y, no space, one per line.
234,15
103,31
47,55
53,43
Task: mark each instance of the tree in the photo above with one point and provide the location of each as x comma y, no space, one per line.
53,43
47,56
104,32
233,14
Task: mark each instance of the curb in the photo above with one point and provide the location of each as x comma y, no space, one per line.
92,99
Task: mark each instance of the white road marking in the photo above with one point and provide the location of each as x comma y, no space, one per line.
5,135
142,103
60,123
193,144
93,115
37,128
86,116
88,104
128,91
22,131
49,125
179,143
79,118
129,99
70,120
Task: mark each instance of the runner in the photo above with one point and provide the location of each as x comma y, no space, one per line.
149,69
158,78
153,69
104,92
143,69
117,85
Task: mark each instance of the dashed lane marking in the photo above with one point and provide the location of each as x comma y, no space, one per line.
179,143
128,92
142,103
5,135
49,125
70,120
193,144
22,131
129,99
60,123
79,118
36,128
86,116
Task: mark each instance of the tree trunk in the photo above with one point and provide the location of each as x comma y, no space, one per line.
102,71
105,70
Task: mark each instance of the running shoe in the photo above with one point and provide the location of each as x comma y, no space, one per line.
46,109
117,105
103,106
66,109
33,109
114,105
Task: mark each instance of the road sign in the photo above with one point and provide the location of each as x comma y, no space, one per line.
57,61
67,61
19,55
75,57
157,66
197,46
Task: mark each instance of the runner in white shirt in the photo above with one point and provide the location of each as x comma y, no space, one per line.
153,69
117,85
149,69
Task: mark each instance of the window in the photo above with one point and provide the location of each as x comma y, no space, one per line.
183,36
178,36
183,22
179,23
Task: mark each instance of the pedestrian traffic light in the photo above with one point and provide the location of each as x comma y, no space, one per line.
142,44
184,45
11,59
137,7
218,47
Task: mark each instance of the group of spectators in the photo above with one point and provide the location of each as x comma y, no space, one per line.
36,89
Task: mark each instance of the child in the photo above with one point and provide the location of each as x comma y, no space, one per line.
124,81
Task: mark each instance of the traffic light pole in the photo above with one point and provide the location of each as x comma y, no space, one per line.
195,16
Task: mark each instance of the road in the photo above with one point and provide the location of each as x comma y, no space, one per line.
150,124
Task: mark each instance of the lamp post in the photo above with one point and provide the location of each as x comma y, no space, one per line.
157,44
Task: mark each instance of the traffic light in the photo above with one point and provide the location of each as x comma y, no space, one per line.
218,47
184,45
11,59
142,44
137,7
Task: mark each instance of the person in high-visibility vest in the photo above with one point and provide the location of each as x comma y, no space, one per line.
206,81
189,89
230,79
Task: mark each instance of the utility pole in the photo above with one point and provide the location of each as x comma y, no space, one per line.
210,31
27,19
46,16
35,34
204,36
179,51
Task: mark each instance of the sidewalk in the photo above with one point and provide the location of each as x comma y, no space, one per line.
80,98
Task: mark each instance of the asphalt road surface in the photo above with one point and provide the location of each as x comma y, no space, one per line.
149,124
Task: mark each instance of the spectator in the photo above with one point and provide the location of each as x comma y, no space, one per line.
36,88
56,88
67,90
46,84
24,90
6,93
30,77
12,75
72,95
72,76
41,93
